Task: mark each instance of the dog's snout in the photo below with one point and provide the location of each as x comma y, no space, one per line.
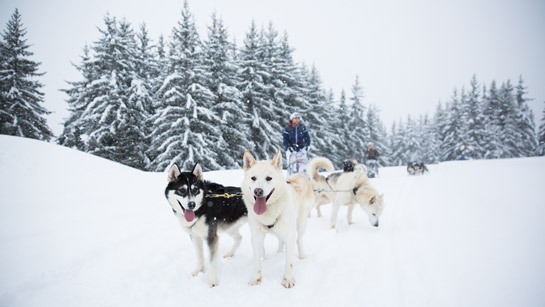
258,192
191,205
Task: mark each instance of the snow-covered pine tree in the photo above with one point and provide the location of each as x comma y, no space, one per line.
184,126
541,135
398,138
507,123
493,146
475,121
439,126
340,138
315,115
264,135
453,145
79,97
526,127
359,136
218,60
21,110
411,144
429,141
377,133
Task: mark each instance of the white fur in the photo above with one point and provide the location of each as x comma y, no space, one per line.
340,192
198,230
286,210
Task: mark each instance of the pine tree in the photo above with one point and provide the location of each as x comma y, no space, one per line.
475,120
524,118
359,134
493,146
507,124
184,129
377,134
541,135
263,132
340,139
453,145
21,110
218,59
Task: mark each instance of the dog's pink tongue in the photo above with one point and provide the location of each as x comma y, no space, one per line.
189,215
260,205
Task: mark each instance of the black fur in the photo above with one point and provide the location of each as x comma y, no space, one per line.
217,209
348,166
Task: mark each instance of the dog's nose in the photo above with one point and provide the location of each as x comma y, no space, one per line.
258,192
191,205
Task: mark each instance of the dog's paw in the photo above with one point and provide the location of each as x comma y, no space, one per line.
332,227
229,255
213,282
288,282
197,271
302,256
256,280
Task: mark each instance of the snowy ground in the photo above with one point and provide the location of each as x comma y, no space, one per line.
77,230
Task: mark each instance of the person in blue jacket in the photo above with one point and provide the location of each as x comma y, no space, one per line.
296,144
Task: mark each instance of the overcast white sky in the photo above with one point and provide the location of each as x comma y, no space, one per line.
408,54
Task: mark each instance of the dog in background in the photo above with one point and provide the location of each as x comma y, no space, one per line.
344,189
414,168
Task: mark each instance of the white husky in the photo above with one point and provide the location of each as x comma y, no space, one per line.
275,206
345,189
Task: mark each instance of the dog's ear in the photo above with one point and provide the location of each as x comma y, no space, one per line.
197,171
249,160
277,160
173,173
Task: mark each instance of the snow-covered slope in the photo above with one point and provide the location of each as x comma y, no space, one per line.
77,230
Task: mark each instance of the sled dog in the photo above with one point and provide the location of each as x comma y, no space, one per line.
275,206
203,208
414,168
344,188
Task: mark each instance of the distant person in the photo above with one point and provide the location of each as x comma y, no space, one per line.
372,161
296,144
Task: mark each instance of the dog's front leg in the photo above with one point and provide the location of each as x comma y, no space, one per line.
334,212
349,214
289,280
197,244
213,270
258,238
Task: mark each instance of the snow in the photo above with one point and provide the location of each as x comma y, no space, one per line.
78,230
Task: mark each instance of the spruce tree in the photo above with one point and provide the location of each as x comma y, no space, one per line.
506,121
524,118
184,129
475,121
359,134
21,110
264,133
541,135
218,59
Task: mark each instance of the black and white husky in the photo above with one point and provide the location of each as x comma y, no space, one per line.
203,208
414,168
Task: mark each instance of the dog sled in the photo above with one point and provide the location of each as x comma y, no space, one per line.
297,162
372,168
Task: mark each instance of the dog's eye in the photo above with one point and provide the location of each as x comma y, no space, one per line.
183,191
253,178
195,191
268,178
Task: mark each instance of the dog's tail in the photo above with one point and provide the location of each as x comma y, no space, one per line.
317,163
302,187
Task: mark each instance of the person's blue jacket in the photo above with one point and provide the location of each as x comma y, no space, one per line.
296,138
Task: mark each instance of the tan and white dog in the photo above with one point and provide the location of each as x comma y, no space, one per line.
344,189
275,206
